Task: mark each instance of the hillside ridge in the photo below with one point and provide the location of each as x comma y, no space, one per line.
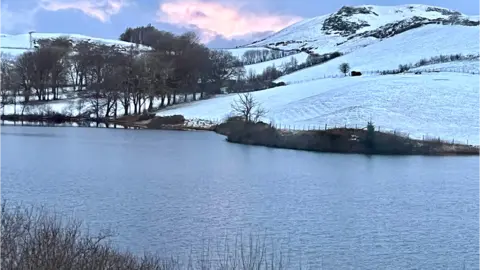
359,26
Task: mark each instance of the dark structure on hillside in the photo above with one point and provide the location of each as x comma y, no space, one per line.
355,73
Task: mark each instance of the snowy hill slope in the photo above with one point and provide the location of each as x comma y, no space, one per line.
17,44
440,104
405,48
472,66
353,27
278,63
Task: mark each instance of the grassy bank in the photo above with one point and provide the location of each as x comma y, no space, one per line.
37,239
336,140
339,140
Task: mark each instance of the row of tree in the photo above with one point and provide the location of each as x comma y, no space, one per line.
109,77
105,79
251,57
430,61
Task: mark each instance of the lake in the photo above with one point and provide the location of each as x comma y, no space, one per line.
170,190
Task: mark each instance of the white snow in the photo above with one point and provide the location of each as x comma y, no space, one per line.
405,48
278,63
238,52
309,33
74,106
444,105
471,66
17,44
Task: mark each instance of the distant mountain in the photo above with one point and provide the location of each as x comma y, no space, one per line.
354,27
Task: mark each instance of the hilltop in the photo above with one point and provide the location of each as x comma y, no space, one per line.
18,44
354,27
406,48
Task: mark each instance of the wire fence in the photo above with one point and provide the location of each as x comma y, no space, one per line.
207,123
378,72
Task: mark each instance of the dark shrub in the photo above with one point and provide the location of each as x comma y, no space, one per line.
370,138
159,121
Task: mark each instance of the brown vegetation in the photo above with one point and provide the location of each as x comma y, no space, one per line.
36,239
105,79
338,140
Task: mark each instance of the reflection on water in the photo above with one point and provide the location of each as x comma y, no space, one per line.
169,190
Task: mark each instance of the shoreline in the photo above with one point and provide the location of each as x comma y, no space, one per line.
335,140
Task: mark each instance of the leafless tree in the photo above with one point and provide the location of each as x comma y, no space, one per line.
106,78
7,78
54,56
248,108
344,68
225,67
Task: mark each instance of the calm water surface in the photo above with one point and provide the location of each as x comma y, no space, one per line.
167,190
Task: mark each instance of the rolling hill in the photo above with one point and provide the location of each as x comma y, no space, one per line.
440,104
351,28
408,47
17,44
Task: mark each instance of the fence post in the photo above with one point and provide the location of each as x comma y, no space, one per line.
325,126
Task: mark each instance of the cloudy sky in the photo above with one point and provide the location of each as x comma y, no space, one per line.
220,23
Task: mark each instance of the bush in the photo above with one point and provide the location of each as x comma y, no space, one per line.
370,138
159,121
35,239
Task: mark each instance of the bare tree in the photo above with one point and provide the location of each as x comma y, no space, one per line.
248,108
344,68
225,67
7,83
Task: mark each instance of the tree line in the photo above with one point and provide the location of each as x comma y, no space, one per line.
106,77
251,57
430,61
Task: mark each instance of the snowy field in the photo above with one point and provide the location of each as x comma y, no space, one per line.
443,105
74,106
457,66
309,33
238,52
278,63
405,48
17,44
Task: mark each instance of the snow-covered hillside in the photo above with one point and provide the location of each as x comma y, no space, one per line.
17,44
472,66
278,63
440,104
353,27
238,52
405,48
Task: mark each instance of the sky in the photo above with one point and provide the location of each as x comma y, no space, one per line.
219,23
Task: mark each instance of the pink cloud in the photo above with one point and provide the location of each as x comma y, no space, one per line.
102,10
218,19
